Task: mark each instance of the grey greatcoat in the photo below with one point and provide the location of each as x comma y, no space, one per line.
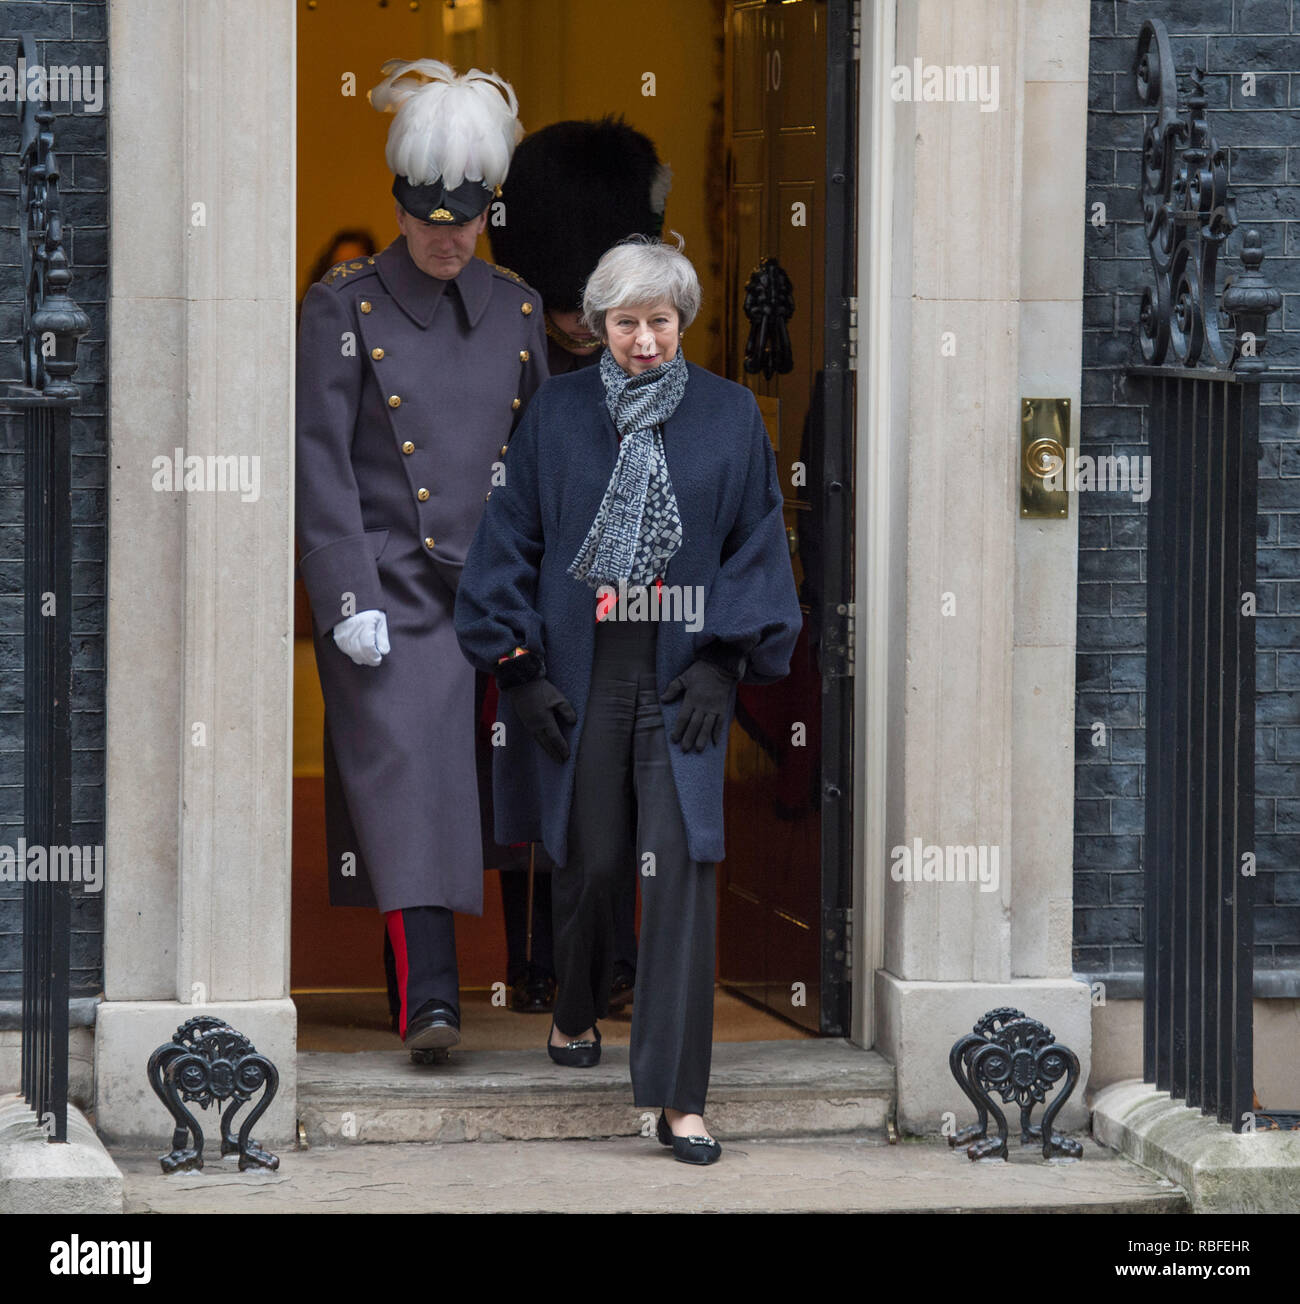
408,391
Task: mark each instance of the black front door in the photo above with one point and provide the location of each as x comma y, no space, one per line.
785,885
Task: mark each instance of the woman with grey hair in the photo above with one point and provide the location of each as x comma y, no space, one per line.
631,569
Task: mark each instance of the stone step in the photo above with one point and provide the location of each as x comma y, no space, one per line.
806,1088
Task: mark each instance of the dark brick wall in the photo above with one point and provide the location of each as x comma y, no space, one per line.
1227,38
67,33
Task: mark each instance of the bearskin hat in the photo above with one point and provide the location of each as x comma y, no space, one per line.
574,189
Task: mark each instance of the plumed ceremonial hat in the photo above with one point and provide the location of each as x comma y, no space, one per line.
450,143
575,189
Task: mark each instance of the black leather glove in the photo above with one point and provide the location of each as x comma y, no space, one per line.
537,703
707,687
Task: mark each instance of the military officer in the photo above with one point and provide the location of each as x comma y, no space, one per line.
414,366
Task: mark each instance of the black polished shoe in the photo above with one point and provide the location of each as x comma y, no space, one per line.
434,1026
533,992
576,1054
689,1149
622,990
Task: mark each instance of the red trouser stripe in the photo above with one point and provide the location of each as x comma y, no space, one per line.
397,936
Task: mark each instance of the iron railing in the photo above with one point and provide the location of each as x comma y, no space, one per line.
52,327
1202,393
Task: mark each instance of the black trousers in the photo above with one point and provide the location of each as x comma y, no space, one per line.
514,903
625,819
420,961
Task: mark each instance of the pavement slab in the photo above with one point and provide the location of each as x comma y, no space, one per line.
637,1175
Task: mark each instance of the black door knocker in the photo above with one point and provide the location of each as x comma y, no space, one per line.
769,304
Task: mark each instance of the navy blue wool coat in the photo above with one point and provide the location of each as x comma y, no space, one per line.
515,589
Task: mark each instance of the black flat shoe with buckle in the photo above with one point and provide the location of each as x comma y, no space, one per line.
688,1149
575,1054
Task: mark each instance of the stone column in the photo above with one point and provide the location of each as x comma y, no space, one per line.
1052,226
987,223
200,577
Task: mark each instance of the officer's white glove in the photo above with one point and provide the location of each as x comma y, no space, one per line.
364,637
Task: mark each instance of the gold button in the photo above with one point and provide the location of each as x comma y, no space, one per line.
525,308
428,543
503,449
394,400
408,447
365,305
515,405
376,354
523,355
423,495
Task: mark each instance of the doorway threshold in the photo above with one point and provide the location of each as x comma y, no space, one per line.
800,1088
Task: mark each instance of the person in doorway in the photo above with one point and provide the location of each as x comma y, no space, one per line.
618,187
630,571
345,246
413,368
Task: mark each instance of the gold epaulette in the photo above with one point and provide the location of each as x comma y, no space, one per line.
505,271
340,270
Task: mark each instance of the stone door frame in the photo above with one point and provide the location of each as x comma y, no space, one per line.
199,634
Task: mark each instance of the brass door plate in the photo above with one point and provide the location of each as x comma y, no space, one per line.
1044,438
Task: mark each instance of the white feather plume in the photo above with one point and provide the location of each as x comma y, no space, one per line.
445,126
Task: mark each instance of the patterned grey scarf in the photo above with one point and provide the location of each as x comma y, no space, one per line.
637,528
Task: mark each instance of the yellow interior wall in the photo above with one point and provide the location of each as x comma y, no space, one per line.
565,59
308,713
